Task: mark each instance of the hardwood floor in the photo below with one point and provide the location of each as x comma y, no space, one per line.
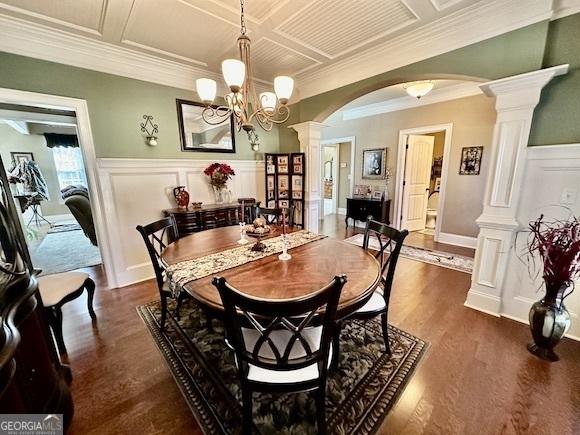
476,378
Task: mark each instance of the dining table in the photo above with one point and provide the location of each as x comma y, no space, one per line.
312,266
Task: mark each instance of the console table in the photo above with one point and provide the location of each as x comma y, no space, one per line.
191,220
358,209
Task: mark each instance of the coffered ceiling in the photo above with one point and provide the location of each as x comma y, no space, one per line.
302,38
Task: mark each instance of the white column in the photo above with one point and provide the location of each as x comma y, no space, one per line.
309,133
516,98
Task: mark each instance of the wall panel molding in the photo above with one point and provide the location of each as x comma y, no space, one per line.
137,190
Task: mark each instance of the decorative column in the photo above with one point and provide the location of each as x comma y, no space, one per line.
516,98
309,133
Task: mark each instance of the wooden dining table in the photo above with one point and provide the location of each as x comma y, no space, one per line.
312,266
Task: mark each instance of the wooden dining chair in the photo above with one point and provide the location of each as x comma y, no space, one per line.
273,216
281,346
157,236
390,241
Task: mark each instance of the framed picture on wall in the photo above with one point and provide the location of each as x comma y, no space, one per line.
18,157
374,163
198,135
470,160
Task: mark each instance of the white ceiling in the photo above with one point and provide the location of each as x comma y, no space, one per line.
302,38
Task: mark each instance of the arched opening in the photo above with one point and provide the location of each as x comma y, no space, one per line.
381,118
348,96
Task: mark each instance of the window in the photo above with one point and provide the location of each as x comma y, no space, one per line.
69,166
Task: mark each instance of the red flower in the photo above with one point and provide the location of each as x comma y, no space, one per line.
219,174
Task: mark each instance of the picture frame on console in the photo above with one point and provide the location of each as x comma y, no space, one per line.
199,136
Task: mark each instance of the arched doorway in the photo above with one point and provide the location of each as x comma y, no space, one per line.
516,98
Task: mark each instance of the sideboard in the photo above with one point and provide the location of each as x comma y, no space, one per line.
358,209
190,220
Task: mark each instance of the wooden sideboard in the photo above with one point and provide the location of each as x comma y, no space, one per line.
191,220
358,209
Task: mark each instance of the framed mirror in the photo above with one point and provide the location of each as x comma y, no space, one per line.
198,135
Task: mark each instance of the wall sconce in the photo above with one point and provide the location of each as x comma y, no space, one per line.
151,130
253,137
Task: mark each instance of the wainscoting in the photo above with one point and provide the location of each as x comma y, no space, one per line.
135,191
551,171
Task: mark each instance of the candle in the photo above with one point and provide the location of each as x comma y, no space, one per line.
283,222
243,219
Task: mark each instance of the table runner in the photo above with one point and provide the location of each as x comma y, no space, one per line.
186,271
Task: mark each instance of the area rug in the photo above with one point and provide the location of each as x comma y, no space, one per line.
64,251
359,393
63,228
438,258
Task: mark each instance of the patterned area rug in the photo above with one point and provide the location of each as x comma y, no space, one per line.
359,393
438,258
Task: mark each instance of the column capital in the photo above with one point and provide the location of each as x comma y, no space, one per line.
523,90
308,126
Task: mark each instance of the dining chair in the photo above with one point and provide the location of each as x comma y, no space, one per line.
281,346
273,216
157,236
58,289
390,242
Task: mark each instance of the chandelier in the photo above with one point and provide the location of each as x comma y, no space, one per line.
247,107
418,89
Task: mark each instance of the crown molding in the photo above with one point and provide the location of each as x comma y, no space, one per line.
475,23
402,103
563,8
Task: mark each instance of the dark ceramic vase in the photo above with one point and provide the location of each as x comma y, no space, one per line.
549,321
181,196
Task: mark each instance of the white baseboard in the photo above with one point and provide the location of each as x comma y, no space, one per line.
341,211
488,304
60,218
457,240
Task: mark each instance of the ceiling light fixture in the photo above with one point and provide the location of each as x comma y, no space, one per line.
418,89
243,102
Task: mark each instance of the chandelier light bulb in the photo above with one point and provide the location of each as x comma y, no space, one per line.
418,89
268,102
234,72
283,86
206,89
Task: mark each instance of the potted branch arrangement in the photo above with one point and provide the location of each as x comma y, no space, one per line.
557,245
219,174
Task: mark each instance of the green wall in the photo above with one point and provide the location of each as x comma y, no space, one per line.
557,117
116,105
530,48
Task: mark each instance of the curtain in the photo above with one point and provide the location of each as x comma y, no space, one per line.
54,140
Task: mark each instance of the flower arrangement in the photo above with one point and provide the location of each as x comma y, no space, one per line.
557,243
219,174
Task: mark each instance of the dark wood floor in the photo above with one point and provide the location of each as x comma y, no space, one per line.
476,378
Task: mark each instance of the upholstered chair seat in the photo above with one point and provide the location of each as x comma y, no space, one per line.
60,288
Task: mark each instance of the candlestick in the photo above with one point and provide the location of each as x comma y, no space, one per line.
243,239
284,256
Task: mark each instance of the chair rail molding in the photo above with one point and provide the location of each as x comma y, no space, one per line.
516,98
309,136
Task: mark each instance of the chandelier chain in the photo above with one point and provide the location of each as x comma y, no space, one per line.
242,19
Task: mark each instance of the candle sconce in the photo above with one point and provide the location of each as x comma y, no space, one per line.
150,129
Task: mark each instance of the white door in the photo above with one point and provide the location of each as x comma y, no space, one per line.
418,163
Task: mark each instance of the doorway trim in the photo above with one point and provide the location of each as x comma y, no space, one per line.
335,169
87,146
401,155
339,140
